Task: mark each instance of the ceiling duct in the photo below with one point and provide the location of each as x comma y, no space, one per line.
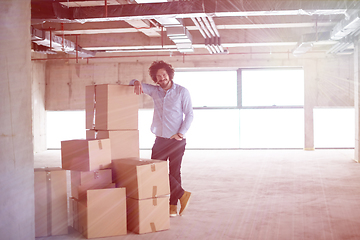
178,33
308,41
41,49
181,37
302,47
345,45
57,43
346,27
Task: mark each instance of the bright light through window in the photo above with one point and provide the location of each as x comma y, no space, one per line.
334,127
64,125
210,88
273,87
271,128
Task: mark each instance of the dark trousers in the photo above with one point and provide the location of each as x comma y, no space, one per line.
173,150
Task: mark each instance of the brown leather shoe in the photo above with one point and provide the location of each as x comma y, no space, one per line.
184,202
173,210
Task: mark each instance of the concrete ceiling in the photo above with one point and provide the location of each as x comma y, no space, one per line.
108,27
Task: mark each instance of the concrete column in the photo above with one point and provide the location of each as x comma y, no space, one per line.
356,99
16,149
309,102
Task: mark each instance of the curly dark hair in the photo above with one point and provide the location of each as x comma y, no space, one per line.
156,65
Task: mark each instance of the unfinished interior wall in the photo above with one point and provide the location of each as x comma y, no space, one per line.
16,148
310,78
38,105
330,79
334,82
357,99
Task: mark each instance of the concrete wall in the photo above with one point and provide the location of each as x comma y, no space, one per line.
356,67
16,148
331,79
38,105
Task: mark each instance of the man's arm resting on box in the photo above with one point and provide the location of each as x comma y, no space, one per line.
140,88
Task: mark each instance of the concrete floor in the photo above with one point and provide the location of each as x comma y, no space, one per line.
253,194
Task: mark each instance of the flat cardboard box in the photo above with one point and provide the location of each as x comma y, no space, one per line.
142,178
124,143
89,180
86,155
148,215
50,202
103,213
111,107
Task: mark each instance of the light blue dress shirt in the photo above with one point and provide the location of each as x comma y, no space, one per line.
173,112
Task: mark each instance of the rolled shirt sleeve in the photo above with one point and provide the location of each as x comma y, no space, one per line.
188,112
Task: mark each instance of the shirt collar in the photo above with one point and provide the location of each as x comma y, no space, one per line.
172,87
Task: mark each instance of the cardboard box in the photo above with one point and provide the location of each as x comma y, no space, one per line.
51,215
111,107
74,209
148,215
74,213
103,213
89,180
142,178
124,143
82,190
85,155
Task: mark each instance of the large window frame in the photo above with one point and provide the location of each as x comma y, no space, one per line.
240,89
239,86
242,117
236,83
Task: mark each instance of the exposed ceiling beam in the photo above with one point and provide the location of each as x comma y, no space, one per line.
144,26
193,28
54,11
87,3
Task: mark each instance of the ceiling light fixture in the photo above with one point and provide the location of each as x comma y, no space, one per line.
302,48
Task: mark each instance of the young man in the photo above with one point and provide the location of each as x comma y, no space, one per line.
172,118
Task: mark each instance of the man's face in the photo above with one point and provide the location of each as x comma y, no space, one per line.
163,79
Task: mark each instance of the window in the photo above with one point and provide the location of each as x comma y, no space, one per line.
272,128
210,88
334,127
64,125
272,87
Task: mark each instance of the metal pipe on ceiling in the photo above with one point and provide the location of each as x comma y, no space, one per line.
156,55
202,32
207,25
203,27
207,36
212,37
198,26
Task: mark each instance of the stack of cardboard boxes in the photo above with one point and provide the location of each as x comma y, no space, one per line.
112,189
98,209
147,188
112,113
